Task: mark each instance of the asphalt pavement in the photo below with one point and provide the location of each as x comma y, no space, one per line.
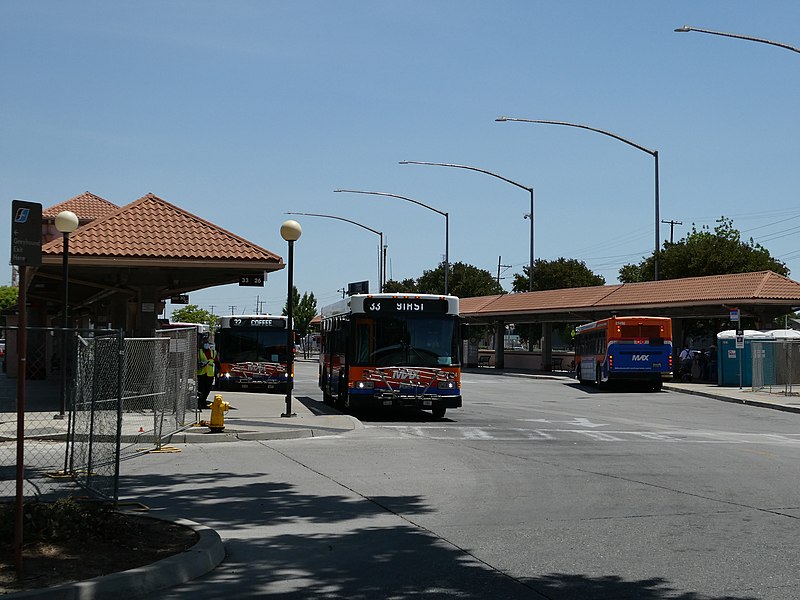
266,417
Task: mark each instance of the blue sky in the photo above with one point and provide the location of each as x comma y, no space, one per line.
241,111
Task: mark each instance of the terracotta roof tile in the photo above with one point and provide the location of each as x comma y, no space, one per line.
86,206
153,228
761,285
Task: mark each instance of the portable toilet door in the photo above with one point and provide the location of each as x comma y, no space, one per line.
731,360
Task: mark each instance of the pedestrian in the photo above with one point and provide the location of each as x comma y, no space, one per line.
685,359
206,369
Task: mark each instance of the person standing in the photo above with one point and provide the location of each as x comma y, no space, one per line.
206,369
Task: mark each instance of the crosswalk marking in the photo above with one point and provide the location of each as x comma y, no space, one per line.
540,434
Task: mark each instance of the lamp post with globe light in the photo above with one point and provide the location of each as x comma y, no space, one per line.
291,232
66,222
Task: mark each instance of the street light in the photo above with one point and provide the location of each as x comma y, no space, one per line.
519,185
446,227
381,249
66,222
687,28
653,153
291,232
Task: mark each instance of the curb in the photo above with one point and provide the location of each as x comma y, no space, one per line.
198,560
277,432
746,401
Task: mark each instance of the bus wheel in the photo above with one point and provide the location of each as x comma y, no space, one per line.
578,374
657,385
599,379
439,411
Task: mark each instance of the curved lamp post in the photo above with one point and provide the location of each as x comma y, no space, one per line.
66,222
687,28
381,250
519,185
653,153
291,232
436,210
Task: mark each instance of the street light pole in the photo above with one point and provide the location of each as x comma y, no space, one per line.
653,153
66,222
519,185
738,36
436,210
291,232
381,250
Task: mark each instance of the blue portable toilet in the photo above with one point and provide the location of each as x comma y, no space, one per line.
729,357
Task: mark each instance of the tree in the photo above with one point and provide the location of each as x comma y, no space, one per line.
556,274
405,286
303,310
465,281
705,252
191,313
8,297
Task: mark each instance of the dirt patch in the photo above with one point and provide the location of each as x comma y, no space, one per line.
113,542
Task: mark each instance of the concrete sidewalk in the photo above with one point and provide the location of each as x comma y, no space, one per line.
258,416
764,399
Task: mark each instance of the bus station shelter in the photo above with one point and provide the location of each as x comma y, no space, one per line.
126,262
762,295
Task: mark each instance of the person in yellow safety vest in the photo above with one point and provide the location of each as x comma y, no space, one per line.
206,368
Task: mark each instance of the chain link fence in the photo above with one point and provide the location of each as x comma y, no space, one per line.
776,366
117,398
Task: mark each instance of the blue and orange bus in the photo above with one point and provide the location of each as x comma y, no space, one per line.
392,350
624,349
253,352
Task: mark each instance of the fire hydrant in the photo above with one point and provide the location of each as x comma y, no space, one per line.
218,409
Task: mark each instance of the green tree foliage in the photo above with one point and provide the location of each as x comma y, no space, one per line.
8,296
465,281
191,313
705,252
556,274
406,286
303,310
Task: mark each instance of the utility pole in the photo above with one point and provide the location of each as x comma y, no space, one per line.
499,266
672,228
233,309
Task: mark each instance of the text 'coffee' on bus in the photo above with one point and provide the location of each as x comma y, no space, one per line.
253,352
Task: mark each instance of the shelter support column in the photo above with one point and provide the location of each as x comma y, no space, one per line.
499,340
547,346
147,311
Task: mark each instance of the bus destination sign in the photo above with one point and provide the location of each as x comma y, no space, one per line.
257,322
405,305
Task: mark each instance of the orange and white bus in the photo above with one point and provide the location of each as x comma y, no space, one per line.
624,349
392,350
253,352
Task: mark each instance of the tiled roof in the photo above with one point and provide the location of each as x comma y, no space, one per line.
153,228
86,206
763,286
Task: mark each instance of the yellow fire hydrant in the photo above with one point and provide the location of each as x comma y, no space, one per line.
218,409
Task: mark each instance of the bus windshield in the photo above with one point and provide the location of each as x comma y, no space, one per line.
252,345
407,340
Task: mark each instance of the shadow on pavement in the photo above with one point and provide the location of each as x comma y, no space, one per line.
323,546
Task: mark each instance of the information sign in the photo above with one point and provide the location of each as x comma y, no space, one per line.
26,233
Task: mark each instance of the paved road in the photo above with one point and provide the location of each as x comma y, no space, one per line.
535,489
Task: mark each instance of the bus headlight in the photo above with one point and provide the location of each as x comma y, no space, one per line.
364,385
447,385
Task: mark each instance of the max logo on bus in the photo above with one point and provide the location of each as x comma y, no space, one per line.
640,357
